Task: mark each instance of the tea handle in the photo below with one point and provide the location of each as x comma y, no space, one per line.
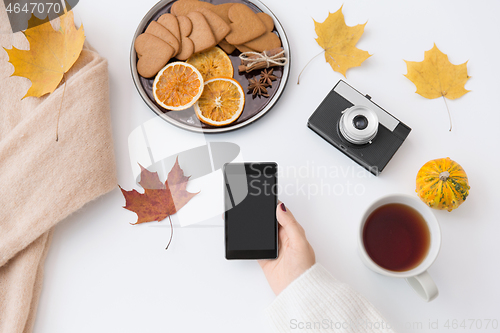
424,286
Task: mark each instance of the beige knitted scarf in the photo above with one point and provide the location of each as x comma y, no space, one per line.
43,181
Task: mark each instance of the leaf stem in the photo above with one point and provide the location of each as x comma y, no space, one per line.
449,115
298,79
171,232
60,107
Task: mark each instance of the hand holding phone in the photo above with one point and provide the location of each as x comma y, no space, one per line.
296,255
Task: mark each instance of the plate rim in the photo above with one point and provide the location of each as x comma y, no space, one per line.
135,75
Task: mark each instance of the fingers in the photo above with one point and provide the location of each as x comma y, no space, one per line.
288,221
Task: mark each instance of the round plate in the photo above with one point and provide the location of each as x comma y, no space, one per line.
255,107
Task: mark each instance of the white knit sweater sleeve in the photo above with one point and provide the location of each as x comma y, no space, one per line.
317,302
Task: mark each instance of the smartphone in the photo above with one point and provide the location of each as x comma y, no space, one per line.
250,199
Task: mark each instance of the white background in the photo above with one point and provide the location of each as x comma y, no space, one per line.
104,275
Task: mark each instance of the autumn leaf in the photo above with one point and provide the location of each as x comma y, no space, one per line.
159,200
339,42
51,54
437,77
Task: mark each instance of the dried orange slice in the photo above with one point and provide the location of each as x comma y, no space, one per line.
177,86
221,103
212,63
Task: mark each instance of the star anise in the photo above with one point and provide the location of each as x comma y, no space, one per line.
257,87
268,77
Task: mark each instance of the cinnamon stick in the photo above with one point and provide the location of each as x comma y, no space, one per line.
269,58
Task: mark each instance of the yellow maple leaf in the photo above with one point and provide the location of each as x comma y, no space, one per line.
51,54
437,77
339,42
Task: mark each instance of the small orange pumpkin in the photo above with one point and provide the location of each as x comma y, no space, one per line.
442,184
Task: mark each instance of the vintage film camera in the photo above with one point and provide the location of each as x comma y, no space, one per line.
359,128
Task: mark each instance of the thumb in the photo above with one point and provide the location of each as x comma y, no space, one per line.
288,221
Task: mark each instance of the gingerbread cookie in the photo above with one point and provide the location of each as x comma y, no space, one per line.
156,29
187,46
245,25
267,20
267,41
185,25
222,11
218,26
243,48
228,48
153,53
184,7
201,35
170,22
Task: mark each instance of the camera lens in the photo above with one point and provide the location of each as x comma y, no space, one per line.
360,122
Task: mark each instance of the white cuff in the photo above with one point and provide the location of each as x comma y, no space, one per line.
317,302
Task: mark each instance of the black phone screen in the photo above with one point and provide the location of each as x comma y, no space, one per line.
250,217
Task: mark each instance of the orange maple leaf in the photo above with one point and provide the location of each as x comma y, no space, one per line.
159,200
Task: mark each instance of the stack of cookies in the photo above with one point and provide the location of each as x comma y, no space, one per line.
193,26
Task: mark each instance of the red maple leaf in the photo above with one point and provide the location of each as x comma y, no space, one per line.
159,200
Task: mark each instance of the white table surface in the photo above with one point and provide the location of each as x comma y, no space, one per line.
104,275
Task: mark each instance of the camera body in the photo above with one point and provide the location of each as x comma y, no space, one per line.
358,127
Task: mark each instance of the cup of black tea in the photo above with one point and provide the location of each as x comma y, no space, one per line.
399,236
